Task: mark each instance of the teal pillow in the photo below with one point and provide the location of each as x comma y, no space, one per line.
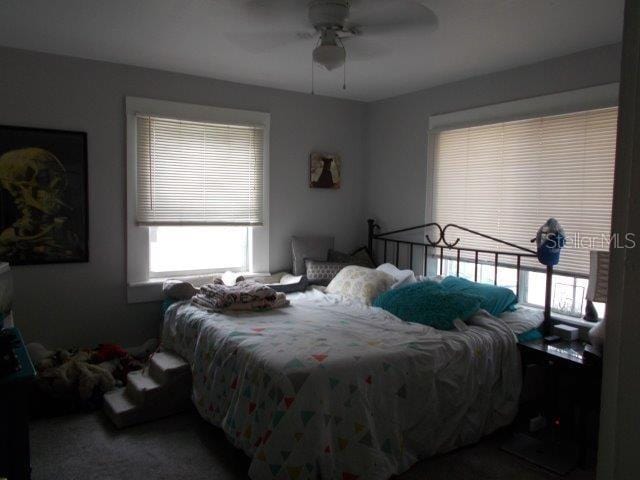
495,300
429,304
529,335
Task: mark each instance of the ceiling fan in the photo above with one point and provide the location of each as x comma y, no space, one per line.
342,28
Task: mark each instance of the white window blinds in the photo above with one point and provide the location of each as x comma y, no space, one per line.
507,179
192,173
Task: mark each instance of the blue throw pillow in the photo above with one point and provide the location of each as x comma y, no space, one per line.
429,304
529,335
495,300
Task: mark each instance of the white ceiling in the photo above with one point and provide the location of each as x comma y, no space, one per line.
473,37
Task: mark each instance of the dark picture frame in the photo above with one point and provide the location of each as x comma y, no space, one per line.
44,214
325,170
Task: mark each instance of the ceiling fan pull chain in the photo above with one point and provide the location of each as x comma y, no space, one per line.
344,71
344,66
344,78
313,90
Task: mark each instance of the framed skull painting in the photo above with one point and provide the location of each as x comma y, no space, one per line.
43,196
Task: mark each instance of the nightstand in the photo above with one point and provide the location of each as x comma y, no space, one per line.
563,385
567,354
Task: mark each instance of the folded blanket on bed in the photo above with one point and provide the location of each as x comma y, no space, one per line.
279,302
244,295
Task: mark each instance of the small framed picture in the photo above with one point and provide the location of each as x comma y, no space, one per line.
325,170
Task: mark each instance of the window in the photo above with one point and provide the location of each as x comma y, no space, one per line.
176,250
506,179
568,294
197,199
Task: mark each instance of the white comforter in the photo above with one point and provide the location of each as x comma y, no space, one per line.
326,389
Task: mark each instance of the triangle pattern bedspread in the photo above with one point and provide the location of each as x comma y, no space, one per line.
331,390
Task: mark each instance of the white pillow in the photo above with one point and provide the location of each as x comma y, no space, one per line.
523,319
400,277
360,283
597,334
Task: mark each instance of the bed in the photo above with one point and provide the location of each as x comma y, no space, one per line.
328,388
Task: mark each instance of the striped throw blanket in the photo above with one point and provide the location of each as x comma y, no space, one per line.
244,295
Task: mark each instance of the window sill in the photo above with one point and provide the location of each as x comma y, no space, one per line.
151,290
573,321
582,325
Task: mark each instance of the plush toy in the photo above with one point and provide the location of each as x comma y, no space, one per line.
109,351
76,379
178,290
549,241
74,373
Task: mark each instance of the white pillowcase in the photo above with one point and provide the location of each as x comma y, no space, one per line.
400,277
597,334
523,319
360,283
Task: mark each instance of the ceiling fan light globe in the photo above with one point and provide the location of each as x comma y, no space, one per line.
329,56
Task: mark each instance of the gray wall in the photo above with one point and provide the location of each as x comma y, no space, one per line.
81,304
383,144
396,128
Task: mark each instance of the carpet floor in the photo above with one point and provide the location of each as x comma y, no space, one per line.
88,447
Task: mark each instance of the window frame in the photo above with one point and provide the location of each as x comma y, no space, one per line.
590,98
141,286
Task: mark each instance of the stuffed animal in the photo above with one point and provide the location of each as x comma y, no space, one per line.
69,380
178,290
76,374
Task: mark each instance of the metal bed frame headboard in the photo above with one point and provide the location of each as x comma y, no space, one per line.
441,244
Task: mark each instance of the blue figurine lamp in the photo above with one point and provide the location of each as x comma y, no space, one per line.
549,241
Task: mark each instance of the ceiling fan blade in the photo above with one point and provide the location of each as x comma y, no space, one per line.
391,16
274,10
361,48
261,42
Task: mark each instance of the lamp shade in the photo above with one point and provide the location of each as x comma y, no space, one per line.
329,56
330,53
598,276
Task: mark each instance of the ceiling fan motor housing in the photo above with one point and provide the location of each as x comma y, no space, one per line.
328,14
